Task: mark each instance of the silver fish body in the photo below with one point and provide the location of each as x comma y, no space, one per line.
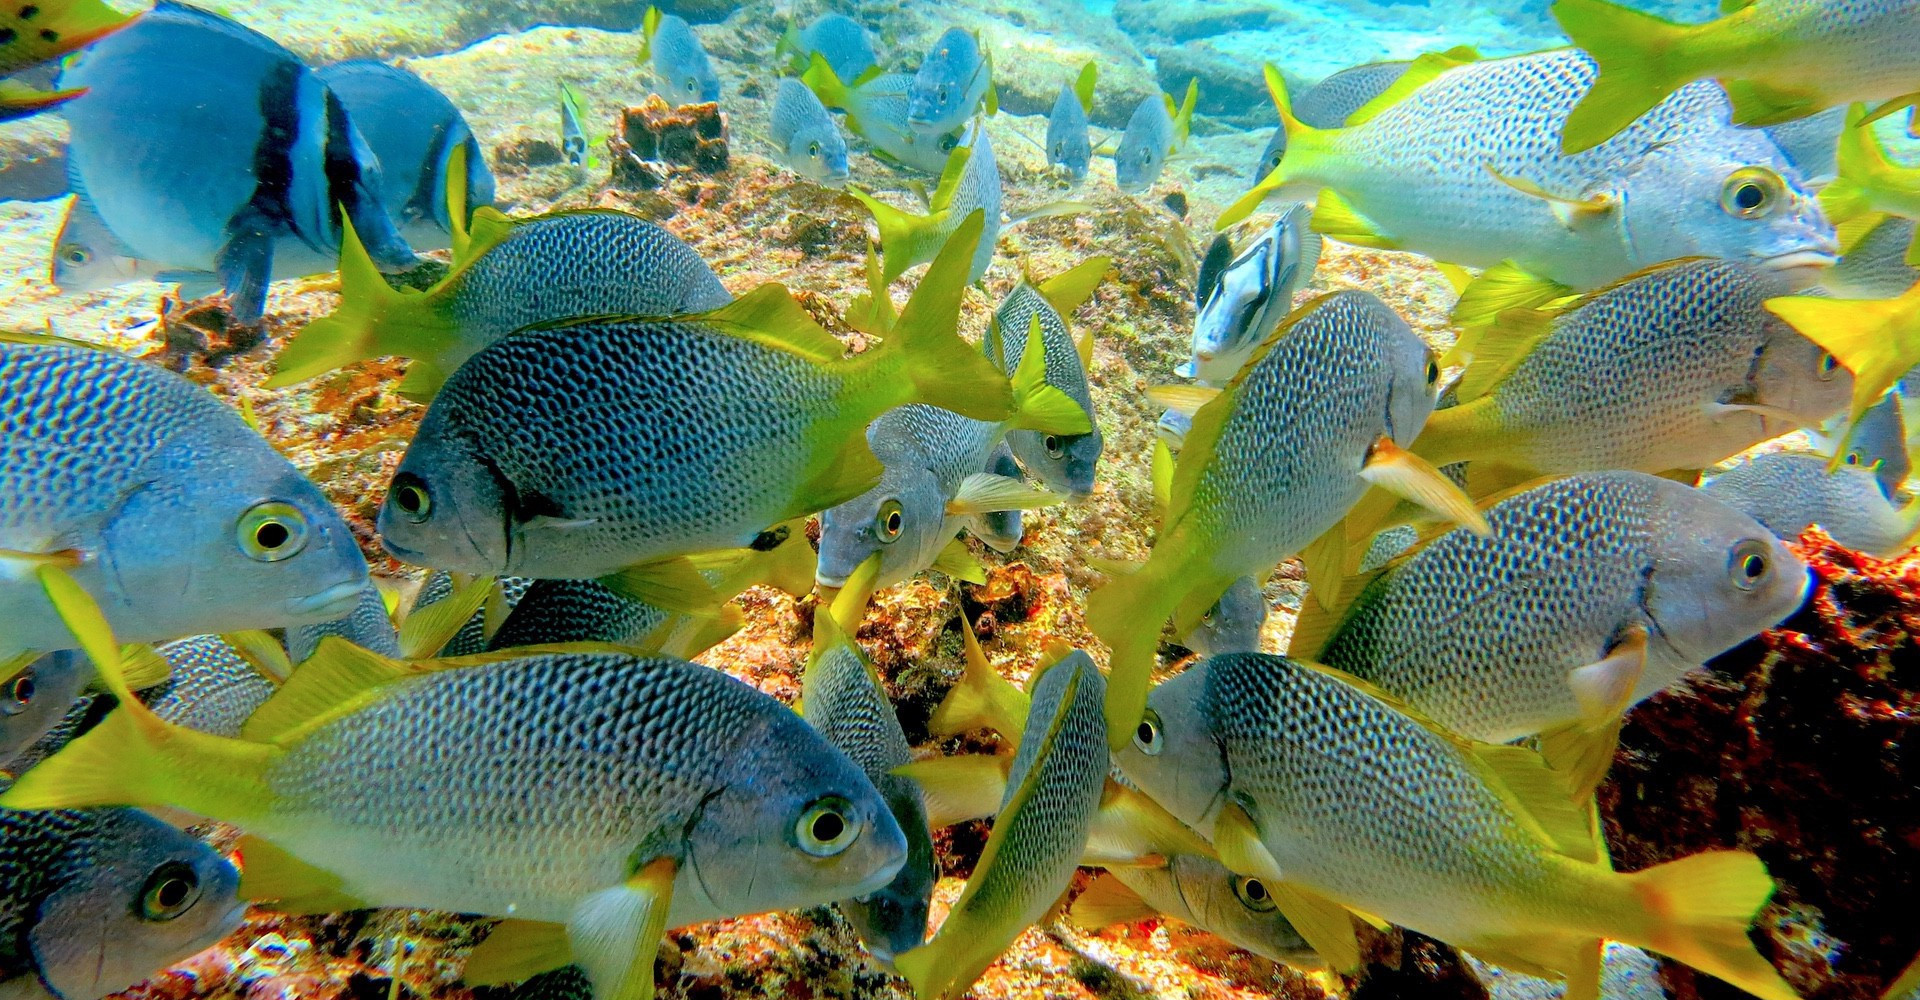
1329,103
1144,146
369,627
680,63
1789,491
1233,624
805,137
1066,463
1254,293
34,700
1202,892
949,84
1068,145
213,688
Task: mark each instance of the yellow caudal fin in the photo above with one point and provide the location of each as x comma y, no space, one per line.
1905,983
1084,83
1183,115
373,320
1698,910
1878,340
1039,406
1127,614
872,310
943,369
133,757
907,239
1277,179
1862,164
959,788
1639,66
517,950
982,699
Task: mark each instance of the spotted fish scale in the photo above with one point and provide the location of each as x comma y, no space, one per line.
1787,491
1078,453
212,687
575,611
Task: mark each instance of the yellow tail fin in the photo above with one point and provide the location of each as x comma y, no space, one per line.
943,368
1638,70
1280,176
374,320
1878,340
1700,908
1127,614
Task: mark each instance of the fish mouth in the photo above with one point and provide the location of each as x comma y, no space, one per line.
1800,267
337,601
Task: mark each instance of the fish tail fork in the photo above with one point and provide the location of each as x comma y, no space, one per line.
1697,910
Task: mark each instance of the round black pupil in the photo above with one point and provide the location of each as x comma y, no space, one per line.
271,535
23,689
1255,891
828,826
1753,566
171,893
1749,196
410,499
1053,443
1145,732
893,521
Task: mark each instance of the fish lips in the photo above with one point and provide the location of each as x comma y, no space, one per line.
1800,268
331,604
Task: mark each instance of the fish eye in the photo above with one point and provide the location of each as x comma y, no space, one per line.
693,86
76,256
890,521
1207,617
410,495
170,891
1433,372
941,94
1853,458
1252,894
18,694
1752,192
272,531
1829,366
1749,565
1273,161
1147,735
813,148
947,142
1054,450
826,827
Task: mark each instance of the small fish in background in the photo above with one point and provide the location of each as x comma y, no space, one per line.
1068,144
160,500
36,698
1410,172
876,108
95,902
413,130
511,273
1592,594
839,39
804,136
1269,467
608,510
679,62
1001,530
1288,767
843,698
952,82
1198,891
1233,624
1787,491
1154,132
1878,443
1637,376
1243,302
1873,260
970,182
1329,103
1777,59
578,143
592,853
32,34
169,156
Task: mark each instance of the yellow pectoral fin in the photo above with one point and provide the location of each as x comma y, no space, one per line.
988,493
615,933
957,561
287,884
1604,689
427,630
1186,399
1573,213
1134,831
517,950
1325,925
1582,753
1413,478
959,789
1107,901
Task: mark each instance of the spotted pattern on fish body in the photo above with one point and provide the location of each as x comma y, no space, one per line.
369,627
805,137
1203,893
553,611
1787,492
213,688
1481,634
1064,462
101,454
1329,103
950,83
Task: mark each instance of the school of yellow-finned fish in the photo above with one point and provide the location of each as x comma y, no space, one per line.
1681,251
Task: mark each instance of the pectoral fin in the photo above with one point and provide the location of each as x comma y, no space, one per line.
1573,213
1604,689
615,933
1108,901
960,788
1413,478
1134,831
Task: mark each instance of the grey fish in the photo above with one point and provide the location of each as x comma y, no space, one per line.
213,688
1201,892
1053,789
34,700
804,136
908,238
94,902
679,61
1329,103
1001,530
1875,266
1233,624
1068,144
1065,463
1879,443
1787,492
840,40
525,272
842,697
1812,143
185,113
1592,594
413,129
554,611
1154,131
369,627
950,84
472,637
1253,294
1676,368
877,111
181,518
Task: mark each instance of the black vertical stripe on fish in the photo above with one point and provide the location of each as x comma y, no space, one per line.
346,188
428,187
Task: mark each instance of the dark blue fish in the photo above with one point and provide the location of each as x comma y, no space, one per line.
414,130
204,146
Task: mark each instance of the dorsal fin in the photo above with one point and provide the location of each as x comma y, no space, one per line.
769,315
1067,291
1420,72
1084,84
